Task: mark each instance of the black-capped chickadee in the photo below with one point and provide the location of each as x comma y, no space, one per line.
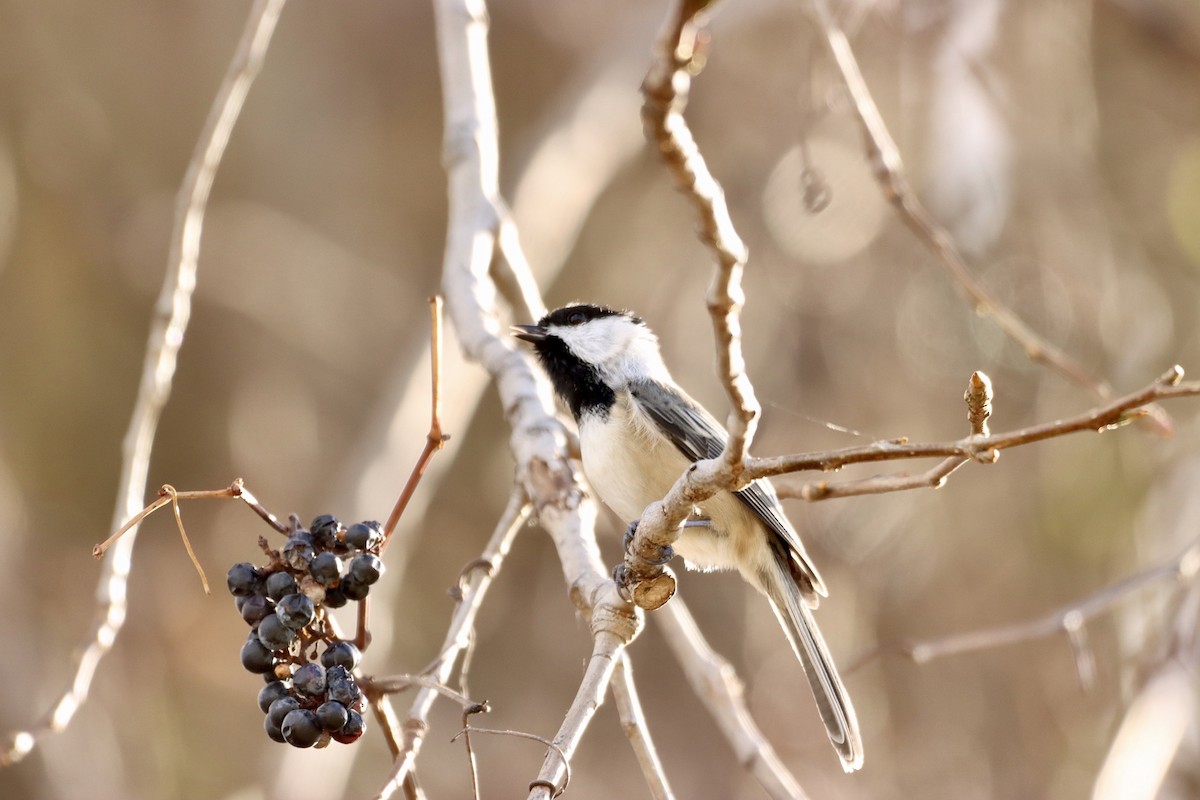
638,432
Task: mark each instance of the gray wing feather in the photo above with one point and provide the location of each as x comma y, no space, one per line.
698,436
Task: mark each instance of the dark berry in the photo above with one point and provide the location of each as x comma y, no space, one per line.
270,693
332,716
309,680
365,568
243,580
353,589
273,730
299,550
295,611
280,708
279,584
326,569
340,653
335,598
364,535
340,686
300,728
354,727
256,657
254,608
274,634
324,531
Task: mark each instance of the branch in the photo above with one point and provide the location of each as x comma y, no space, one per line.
538,441
884,157
1116,414
1068,619
473,588
167,329
435,438
716,684
637,730
665,97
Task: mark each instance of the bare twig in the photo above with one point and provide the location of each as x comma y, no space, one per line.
171,314
538,441
435,438
884,158
473,591
714,681
978,398
665,90
1115,414
394,684
637,730
613,627
554,789
1183,567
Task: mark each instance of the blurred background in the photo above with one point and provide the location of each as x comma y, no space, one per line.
1059,141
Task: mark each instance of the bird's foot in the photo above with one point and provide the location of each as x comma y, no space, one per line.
665,553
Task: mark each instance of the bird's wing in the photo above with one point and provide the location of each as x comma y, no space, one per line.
697,435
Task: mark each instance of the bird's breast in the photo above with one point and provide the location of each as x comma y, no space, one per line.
630,465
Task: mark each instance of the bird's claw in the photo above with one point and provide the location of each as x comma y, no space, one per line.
665,553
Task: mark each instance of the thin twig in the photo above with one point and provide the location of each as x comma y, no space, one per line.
978,398
167,329
394,684
435,438
554,789
169,494
1183,567
884,158
637,730
473,591
715,682
1117,413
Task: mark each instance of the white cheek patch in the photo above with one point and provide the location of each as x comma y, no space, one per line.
620,349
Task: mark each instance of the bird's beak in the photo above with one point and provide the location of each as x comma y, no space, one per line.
529,333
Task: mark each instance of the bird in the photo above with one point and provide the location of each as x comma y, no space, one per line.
638,432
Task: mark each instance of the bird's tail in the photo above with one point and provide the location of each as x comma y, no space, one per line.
833,703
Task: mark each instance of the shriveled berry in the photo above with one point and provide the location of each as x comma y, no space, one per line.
257,658
332,716
299,550
354,728
243,579
309,680
326,569
300,728
274,634
340,653
270,693
295,611
280,709
324,531
254,608
365,568
353,589
340,686
280,584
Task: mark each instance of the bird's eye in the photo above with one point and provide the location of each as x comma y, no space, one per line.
576,318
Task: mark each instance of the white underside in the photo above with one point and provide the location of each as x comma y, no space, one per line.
630,466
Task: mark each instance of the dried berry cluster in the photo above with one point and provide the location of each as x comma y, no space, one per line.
311,696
